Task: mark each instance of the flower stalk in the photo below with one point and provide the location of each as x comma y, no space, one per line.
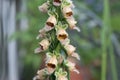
55,41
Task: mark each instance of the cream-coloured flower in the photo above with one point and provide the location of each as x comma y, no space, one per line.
71,66
44,44
44,7
76,55
42,33
61,34
70,49
41,74
72,23
52,62
65,42
67,12
57,2
50,23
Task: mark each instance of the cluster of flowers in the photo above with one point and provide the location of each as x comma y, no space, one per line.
55,42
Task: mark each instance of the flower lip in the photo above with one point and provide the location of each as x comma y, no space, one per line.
68,14
58,1
51,65
50,24
62,36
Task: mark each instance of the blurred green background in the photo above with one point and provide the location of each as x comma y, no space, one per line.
98,43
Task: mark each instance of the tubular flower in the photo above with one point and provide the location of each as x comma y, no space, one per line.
44,7
57,2
44,44
70,49
52,62
42,33
51,22
62,34
67,12
72,24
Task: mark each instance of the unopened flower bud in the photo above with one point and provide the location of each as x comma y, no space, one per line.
62,34
70,49
44,7
57,2
67,12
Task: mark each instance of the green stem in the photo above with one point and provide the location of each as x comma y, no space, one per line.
113,65
107,30
112,56
104,42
